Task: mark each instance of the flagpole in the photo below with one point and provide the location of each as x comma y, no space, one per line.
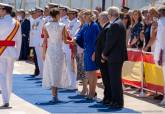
91,4
70,3
103,5
112,2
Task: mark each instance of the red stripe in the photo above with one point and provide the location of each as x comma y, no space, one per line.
148,58
153,87
7,43
135,56
132,83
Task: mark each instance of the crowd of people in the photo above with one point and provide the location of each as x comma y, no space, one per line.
72,44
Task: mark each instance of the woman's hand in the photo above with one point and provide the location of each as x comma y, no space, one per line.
133,41
93,57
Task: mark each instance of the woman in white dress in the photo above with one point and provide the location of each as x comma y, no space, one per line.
54,74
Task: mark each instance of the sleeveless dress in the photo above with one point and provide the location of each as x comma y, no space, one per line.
54,74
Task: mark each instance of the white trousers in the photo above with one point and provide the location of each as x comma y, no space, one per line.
163,68
70,72
38,50
6,71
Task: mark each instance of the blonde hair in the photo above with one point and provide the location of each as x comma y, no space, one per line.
154,12
91,15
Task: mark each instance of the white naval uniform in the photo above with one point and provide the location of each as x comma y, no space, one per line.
36,41
47,19
73,27
160,45
8,57
67,51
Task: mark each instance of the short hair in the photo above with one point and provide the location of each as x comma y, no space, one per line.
13,14
113,11
54,12
104,14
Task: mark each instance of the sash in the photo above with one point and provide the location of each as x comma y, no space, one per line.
10,37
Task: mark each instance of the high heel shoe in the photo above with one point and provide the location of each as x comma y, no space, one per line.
84,92
92,98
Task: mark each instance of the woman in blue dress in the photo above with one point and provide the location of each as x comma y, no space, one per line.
89,44
136,28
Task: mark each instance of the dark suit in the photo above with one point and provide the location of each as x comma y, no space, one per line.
103,67
116,51
25,30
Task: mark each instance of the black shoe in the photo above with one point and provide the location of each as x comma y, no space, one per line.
6,105
54,100
115,106
158,97
104,102
33,75
37,72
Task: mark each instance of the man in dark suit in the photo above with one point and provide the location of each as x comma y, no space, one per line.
25,30
115,53
104,22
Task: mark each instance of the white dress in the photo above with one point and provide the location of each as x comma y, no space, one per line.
54,74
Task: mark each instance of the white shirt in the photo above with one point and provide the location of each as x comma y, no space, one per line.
73,26
7,25
47,19
65,20
35,32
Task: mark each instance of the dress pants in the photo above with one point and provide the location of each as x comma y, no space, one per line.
6,71
24,48
115,83
106,81
38,50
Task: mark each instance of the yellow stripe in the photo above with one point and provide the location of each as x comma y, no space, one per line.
10,37
153,74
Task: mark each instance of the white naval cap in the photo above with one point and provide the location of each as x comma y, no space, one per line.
6,5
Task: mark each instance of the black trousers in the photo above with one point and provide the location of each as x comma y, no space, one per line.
115,83
106,81
24,49
35,61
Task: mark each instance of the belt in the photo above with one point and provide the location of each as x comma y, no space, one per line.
7,43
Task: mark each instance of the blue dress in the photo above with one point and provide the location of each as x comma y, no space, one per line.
90,37
135,33
80,35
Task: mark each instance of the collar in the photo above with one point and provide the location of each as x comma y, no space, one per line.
75,19
105,25
7,17
114,20
38,18
64,17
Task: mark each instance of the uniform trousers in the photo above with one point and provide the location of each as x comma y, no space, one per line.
38,50
6,71
70,72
